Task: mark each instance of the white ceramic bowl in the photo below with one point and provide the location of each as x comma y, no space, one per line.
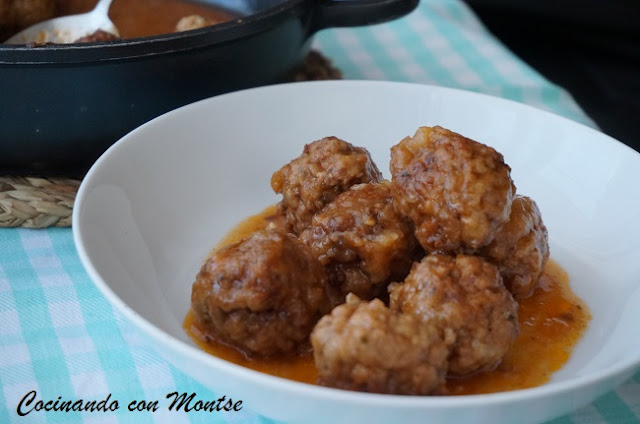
156,202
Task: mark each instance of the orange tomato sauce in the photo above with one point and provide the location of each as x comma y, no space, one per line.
142,18
552,320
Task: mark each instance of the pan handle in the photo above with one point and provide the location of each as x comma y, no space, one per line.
347,13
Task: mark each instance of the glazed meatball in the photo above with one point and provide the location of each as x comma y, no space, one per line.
364,346
326,168
16,15
520,249
262,295
362,241
458,192
465,296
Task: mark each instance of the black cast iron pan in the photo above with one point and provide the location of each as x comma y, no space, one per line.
62,106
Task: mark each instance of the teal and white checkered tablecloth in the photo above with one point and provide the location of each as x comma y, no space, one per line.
59,336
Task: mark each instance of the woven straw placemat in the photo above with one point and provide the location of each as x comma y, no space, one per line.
36,202
31,202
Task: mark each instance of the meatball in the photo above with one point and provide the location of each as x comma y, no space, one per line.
520,249
16,15
262,295
97,36
458,192
365,346
362,241
326,168
465,296
190,22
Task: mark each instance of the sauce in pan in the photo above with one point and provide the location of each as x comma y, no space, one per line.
552,320
142,18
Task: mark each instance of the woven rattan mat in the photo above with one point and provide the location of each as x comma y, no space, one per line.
30,202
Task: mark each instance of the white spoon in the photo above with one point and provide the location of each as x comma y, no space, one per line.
67,29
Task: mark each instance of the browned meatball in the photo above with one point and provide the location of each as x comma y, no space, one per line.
325,169
520,248
363,242
97,36
465,296
16,15
364,346
262,295
458,192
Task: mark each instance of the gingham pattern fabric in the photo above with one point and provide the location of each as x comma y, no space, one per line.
60,337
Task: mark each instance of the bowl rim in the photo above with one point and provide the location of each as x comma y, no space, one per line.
157,45
552,388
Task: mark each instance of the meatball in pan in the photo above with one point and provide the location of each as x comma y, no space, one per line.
458,192
326,168
362,241
364,346
520,248
465,297
262,295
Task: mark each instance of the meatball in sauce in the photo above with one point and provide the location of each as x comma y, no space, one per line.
365,346
262,295
362,241
465,297
326,168
458,192
520,248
